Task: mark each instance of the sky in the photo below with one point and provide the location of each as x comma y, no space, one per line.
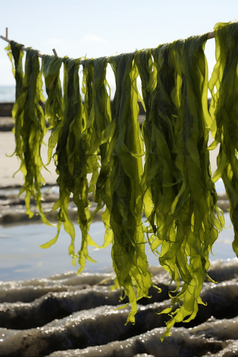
96,28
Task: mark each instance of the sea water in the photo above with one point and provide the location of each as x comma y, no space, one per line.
7,94
22,258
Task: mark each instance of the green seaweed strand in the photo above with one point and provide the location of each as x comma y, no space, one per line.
54,107
184,218
197,217
159,184
148,75
14,51
88,164
102,133
72,163
128,250
30,125
224,111
87,89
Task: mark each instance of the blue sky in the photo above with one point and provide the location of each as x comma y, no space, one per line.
103,28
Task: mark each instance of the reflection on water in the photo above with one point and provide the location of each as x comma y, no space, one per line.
22,258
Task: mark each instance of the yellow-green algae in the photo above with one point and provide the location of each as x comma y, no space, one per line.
173,187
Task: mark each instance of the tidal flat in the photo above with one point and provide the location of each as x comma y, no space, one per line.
70,315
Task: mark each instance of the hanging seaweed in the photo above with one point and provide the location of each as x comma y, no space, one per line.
54,107
159,183
184,217
87,89
30,125
196,216
102,134
174,188
224,111
14,51
72,164
128,250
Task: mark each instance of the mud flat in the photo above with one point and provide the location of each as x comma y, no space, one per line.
70,315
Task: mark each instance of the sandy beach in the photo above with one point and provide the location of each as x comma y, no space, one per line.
9,165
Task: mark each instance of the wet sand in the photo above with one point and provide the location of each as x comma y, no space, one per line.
69,315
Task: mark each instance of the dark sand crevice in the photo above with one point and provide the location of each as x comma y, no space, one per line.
13,210
221,300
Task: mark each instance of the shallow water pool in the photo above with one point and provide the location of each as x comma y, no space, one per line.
22,258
